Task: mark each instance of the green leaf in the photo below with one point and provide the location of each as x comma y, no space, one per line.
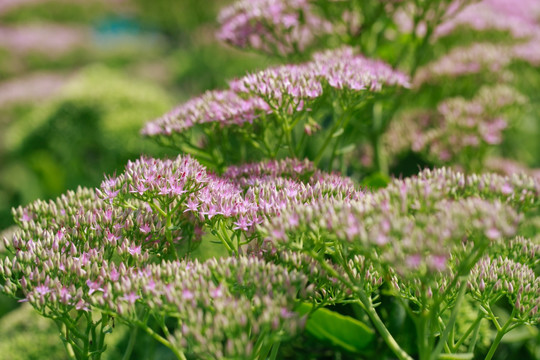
376,181
340,330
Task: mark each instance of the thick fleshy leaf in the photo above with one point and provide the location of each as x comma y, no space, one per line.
340,330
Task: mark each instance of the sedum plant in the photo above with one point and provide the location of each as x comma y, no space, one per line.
306,251
123,252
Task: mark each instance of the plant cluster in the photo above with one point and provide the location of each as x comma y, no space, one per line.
269,174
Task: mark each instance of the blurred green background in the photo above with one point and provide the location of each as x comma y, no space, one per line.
78,79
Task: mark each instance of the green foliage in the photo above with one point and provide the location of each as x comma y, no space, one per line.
24,335
90,128
200,67
339,330
56,11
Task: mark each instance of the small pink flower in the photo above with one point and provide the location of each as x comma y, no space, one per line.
134,250
26,217
42,290
242,224
130,298
81,305
191,205
217,292
493,233
114,274
145,229
187,295
414,261
93,286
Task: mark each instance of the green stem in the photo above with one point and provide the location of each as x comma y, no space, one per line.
65,339
179,354
274,353
379,159
286,128
168,234
381,328
198,152
500,333
89,327
474,338
464,269
92,343
474,326
227,238
331,134
101,339
450,325
261,348
422,341
155,208
368,307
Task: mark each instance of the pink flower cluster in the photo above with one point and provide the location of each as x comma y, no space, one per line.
272,26
458,125
414,226
151,178
508,167
245,195
223,107
288,87
517,17
107,250
30,88
222,306
478,58
464,61
59,273
291,168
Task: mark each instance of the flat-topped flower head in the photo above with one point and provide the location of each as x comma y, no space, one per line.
519,190
518,282
222,307
286,86
508,167
277,27
344,68
264,110
292,168
223,107
290,86
416,226
460,61
458,128
68,242
494,15
492,59
147,177
264,189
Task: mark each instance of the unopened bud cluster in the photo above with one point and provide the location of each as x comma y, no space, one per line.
518,282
